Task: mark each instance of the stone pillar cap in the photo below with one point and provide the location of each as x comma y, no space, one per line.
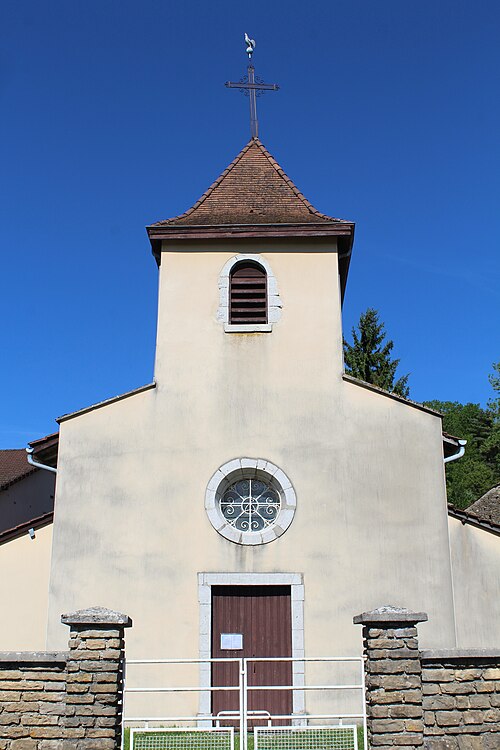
388,613
96,616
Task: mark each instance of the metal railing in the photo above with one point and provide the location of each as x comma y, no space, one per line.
243,714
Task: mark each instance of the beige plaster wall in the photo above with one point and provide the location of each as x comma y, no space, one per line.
370,527
475,559
24,585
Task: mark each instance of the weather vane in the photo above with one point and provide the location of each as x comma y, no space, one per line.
252,86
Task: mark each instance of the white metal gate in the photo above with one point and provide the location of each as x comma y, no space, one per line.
165,729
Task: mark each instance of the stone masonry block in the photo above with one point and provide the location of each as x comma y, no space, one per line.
430,688
58,675
96,744
381,697
457,688
387,726
395,666
13,732
23,744
393,682
404,739
493,714
34,720
380,712
105,721
461,675
414,725
441,743
51,745
406,712
22,684
100,732
437,675
485,687
18,706
448,718
394,653
475,716
492,674
81,721
9,718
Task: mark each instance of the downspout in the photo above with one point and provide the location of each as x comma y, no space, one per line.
32,461
454,456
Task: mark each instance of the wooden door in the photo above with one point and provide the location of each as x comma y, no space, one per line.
262,616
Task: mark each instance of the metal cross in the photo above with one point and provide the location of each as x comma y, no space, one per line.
252,87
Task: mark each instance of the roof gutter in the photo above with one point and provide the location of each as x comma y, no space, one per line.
32,461
458,454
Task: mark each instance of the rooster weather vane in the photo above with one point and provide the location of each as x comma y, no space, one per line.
252,86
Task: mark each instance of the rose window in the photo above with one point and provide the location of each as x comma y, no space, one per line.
250,501
250,505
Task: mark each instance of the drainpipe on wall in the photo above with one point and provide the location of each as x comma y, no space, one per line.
32,461
454,456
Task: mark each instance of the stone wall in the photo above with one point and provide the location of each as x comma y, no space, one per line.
461,699
70,700
436,700
32,699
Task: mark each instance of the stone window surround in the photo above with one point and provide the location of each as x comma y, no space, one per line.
296,583
241,468
273,298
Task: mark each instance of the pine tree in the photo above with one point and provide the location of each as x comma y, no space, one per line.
369,356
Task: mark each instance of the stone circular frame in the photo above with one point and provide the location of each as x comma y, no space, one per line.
250,468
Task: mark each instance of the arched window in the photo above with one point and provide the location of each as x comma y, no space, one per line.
247,293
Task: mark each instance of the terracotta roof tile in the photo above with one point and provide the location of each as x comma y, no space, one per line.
252,190
13,466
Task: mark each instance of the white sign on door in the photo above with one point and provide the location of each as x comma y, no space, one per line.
231,641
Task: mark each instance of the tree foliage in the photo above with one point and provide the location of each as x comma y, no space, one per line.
369,356
479,469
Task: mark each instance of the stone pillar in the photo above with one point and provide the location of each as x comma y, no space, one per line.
94,691
393,678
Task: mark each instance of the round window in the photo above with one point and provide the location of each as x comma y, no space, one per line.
250,505
250,501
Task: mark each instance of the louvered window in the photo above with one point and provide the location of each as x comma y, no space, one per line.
248,294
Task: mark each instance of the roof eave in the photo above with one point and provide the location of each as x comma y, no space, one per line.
464,517
222,231
343,230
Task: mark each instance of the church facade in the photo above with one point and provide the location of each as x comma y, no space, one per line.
253,489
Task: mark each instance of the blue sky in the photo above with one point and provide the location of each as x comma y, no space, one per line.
115,115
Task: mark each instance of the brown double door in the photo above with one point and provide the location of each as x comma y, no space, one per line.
257,619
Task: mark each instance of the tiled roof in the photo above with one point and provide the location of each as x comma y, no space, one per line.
45,449
252,190
487,508
13,466
34,523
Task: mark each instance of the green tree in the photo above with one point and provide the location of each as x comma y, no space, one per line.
369,356
473,474
491,446
479,469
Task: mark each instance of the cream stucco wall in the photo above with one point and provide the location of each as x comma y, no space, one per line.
370,527
24,586
475,558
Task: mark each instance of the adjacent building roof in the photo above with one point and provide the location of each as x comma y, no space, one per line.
13,466
254,198
46,449
484,513
487,508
